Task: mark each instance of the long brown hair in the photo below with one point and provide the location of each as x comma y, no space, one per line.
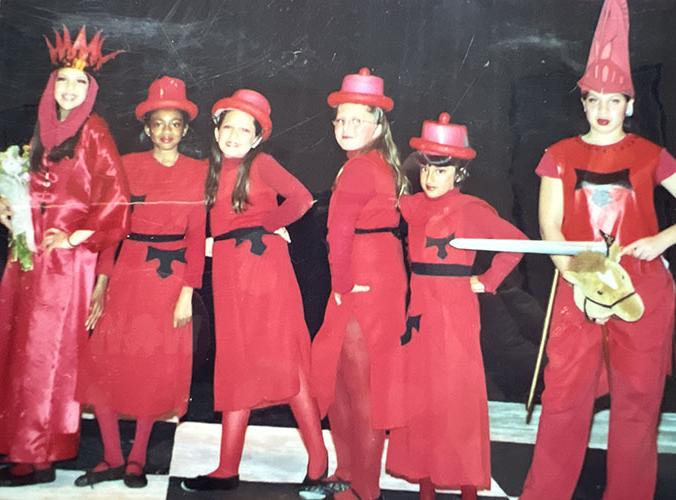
64,150
240,193
385,144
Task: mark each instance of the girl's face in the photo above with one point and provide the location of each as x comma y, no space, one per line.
236,135
166,128
70,90
605,112
355,126
437,181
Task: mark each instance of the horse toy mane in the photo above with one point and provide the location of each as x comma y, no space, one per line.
602,287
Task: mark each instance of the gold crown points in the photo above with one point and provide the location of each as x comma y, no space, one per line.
78,53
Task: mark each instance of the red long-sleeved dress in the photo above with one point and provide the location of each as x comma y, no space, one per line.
363,199
262,340
443,388
136,363
43,311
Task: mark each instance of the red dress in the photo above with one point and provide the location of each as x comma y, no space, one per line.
136,363
445,437
607,188
43,311
363,199
262,340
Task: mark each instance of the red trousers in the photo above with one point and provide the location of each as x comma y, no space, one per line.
639,358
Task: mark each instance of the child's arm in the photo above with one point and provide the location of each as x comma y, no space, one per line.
486,223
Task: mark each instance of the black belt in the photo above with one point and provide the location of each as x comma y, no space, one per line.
253,234
426,269
394,230
155,238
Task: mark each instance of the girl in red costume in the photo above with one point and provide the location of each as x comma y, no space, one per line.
352,353
262,341
604,181
445,440
137,362
79,203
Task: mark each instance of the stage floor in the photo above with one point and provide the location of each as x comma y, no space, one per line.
274,462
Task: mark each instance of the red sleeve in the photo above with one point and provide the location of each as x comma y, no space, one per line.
547,166
109,194
666,167
106,261
195,236
486,223
297,199
354,188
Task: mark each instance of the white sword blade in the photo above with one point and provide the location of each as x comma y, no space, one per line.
530,246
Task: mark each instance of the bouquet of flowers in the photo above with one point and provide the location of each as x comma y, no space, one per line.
14,178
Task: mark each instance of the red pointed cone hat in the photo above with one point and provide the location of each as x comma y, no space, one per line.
608,69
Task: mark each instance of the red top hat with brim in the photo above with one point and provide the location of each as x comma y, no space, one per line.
362,88
166,93
249,101
444,138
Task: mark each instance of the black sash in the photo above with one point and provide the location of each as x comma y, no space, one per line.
426,269
394,230
155,238
252,234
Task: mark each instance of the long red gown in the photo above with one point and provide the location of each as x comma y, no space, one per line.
262,341
363,198
136,363
43,311
443,395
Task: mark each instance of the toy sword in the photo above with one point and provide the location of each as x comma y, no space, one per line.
530,246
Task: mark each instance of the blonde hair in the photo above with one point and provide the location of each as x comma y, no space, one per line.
384,143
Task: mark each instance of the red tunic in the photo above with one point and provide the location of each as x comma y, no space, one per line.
363,198
445,437
43,311
136,363
607,188
262,340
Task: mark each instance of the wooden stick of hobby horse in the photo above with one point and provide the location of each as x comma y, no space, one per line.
543,343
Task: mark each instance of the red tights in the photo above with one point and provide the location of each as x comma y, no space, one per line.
304,409
359,447
427,491
112,448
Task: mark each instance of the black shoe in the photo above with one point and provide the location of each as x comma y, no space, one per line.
135,480
92,477
8,479
313,482
208,483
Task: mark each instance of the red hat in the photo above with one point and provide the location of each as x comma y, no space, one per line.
444,138
362,88
608,69
249,101
78,54
166,93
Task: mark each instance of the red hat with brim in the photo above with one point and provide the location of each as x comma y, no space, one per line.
362,88
444,138
249,101
167,93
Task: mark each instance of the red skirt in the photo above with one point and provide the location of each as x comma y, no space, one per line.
446,432
262,340
377,261
136,363
42,330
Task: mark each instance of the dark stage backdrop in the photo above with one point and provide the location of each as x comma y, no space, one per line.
507,68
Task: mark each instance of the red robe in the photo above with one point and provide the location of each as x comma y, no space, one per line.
607,188
262,340
445,437
363,198
136,363
43,311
